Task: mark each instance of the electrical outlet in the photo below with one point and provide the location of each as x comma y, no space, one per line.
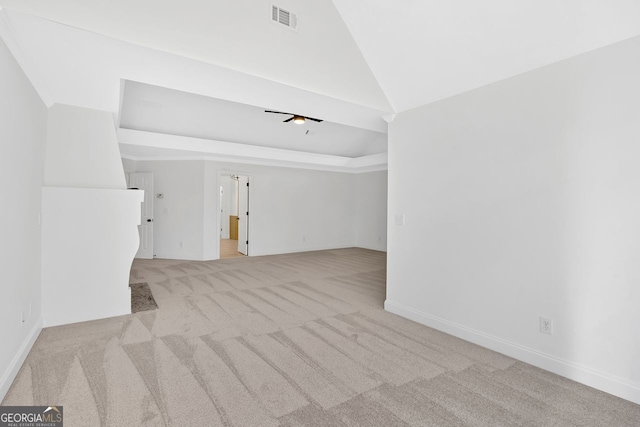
304,238
400,219
546,325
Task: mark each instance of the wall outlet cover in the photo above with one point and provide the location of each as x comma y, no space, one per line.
546,325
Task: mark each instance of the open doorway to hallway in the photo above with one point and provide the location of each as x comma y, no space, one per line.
234,215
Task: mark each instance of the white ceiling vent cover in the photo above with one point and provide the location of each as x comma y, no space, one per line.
284,17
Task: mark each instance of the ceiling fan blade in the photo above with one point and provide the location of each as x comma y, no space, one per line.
293,116
275,112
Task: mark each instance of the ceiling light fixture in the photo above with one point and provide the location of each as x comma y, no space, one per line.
299,120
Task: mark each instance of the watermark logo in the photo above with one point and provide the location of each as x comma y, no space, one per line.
31,416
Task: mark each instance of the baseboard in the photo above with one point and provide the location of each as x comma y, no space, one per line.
300,249
14,367
180,256
566,368
379,248
116,309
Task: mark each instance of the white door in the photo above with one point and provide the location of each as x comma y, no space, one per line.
243,215
221,219
144,181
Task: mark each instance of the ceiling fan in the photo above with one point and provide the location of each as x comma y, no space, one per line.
297,119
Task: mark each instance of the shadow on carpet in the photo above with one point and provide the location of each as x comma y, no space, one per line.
142,298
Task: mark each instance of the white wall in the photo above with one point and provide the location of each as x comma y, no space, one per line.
129,165
227,187
89,238
81,150
22,145
179,215
234,198
229,201
89,219
371,210
521,201
294,210
291,209
210,213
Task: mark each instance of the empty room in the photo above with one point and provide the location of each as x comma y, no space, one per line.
327,213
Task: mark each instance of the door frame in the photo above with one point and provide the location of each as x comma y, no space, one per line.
228,172
149,203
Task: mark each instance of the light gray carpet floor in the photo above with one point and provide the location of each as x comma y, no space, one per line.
289,340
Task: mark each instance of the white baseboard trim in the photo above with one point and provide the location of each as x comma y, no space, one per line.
379,248
295,250
180,256
14,367
566,368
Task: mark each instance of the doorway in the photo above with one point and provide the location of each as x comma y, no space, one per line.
234,215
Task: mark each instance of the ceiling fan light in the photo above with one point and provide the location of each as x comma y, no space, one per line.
299,120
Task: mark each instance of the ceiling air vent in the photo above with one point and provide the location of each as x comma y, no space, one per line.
284,17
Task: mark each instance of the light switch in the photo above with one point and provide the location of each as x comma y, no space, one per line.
399,219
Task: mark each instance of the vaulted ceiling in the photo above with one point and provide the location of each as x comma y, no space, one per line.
421,51
320,57
348,62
